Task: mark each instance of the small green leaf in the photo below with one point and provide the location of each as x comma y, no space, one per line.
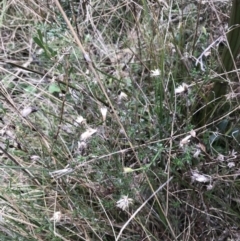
39,42
40,35
204,30
2,109
52,52
54,88
30,89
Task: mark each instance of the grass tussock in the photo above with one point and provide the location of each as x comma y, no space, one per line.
102,131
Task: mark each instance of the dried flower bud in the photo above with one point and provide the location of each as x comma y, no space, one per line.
104,113
28,110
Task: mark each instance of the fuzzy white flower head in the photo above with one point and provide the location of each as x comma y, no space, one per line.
181,88
220,157
61,172
88,133
28,110
80,120
104,112
209,187
82,145
56,217
122,96
185,140
231,164
197,153
34,158
199,177
124,202
155,72
193,133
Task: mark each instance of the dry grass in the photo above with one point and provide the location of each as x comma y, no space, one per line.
72,171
